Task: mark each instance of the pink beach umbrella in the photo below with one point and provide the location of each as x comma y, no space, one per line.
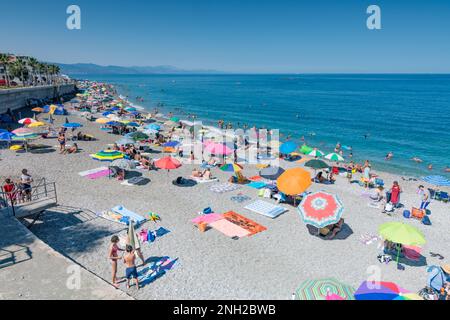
218,149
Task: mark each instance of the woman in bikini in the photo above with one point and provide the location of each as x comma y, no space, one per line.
114,257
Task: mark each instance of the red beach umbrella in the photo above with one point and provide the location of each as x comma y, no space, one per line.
321,209
168,163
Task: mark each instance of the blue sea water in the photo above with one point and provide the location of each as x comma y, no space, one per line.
408,115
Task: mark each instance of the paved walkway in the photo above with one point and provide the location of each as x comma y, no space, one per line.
30,269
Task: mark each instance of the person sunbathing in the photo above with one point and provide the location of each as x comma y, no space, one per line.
71,150
335,229
196,173
320,178
207,175
378,196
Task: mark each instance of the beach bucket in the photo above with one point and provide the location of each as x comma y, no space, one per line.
202,226
407,214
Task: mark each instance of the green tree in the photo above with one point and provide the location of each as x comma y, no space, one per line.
4,60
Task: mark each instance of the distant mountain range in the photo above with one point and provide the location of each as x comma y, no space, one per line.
89,68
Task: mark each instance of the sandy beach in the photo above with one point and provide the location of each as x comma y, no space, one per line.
268,265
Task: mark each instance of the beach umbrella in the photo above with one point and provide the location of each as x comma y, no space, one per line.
107,113
22,132
72,125
102,120
231,167
38,110
316,153
150,131
115,124
6,136
138,136
305,149
171,144
124,141
334,157
130,109
321,209
113,117
107,155
271,173
316,164
133,239
439,181
124,164
376,290
218,149
168,163
288,147
27,121
36,124
294,181
321,289
153,126
133,124
175,119
402,233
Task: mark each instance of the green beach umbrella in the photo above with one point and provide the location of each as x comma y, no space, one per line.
139,136
322,288
334,157
405,234
305,149
316,164
175,119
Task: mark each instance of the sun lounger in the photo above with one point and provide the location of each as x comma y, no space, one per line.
229,229
138,219
266,209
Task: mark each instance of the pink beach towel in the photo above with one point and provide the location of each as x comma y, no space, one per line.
99,174
229,229
207,218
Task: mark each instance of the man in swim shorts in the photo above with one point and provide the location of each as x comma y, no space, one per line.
131,271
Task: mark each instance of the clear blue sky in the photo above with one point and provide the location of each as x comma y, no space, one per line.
235,35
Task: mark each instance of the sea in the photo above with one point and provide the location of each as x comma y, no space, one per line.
408,115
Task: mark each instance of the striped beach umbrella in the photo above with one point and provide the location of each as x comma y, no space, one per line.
107,155
323,288
231,167
27,121
321,209
439,181
383,291
316,153
334,157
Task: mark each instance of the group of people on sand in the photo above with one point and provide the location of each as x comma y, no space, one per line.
19,191
132,153
128,257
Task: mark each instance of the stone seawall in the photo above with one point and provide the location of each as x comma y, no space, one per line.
16,98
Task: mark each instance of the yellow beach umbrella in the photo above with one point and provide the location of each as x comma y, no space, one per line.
36,125
102,120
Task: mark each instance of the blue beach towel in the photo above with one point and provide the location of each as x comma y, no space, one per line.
257,185
138,219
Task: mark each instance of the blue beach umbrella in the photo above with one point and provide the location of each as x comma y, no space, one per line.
439,181
107,113
153,126
6,136
72,125
171,144
133,124
114,124
288,147
115,109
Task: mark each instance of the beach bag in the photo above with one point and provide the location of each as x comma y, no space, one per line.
261,193
150,236
143,235
407,214
389,207
267,193
417,213
426,221
207,210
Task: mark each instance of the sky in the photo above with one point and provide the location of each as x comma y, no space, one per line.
247,36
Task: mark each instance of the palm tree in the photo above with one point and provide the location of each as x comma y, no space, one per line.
34,63
18,70
4,60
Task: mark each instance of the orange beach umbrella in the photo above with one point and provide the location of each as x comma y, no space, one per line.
294,181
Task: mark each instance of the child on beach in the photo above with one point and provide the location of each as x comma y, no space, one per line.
62,142
114,257
131,271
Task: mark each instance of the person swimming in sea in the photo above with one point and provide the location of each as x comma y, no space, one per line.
430,167
417,160
447,169
366,136
389,156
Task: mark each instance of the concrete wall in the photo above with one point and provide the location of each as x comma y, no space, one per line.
16,98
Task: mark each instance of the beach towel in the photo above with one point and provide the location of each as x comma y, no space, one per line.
251,226
255,178
88,172
111,216
256,185
224,187
201,180
266,209
138,219
99,174
240,198
229,229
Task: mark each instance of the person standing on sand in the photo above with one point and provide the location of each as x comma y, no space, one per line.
395,194
425,197
114,257
62,142
131,271
25,182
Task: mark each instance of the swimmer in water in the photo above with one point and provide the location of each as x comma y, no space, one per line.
430,167
418,160
366,136
389,156
447,169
